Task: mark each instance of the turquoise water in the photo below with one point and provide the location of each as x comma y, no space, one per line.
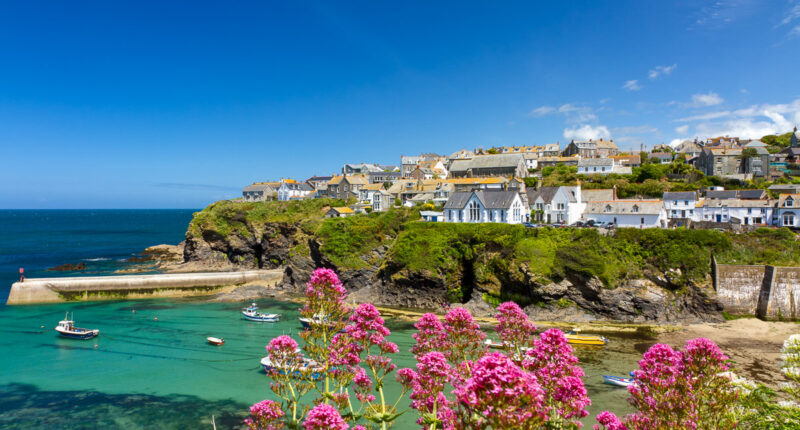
152,368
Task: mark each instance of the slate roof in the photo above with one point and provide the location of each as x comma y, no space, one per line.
736,203
680,195
298,186
590,162
625,207
597,195
257,187
662,155
728,194
752,194
546,193
487,162
491,199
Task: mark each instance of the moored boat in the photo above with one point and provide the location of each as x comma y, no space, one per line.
575,338
66,328
251,313
216,340
618,381
317,320
309,369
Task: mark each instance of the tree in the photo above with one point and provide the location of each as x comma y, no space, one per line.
492,151
749,153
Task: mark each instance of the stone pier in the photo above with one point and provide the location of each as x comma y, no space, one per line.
769,292
53,290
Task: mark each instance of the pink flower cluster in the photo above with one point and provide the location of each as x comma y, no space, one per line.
282,350
500,394
324,281
513,326
324,417
265,415
675,389
427,387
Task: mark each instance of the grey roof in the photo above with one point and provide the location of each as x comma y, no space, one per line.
491,199
487,162
727,194
755,144
595,162
316,178
791,151
785,187
680,195
257,187
298,186
752,194
662,155
597,195
546,193
625,207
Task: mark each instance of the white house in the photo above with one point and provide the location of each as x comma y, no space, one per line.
485,206
628,213
601,166
381,201
737,211
556,205
291,190
787,211
680,207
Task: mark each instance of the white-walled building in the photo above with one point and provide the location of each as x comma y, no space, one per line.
787,211
485,206
628,213
680,207
736,211
292,190
556,205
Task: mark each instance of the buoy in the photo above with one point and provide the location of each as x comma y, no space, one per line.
156,318
133,311
95,346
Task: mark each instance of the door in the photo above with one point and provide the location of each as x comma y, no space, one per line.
719,218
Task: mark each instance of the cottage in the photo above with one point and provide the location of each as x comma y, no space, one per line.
293,190
786,213
315,181
556,205
485,206
627,160
346,186
628,213
384,176
260,191
431,216
735,211
490,165
340,212
662,157
366,192
689,148
361,169
680,207
545,161
381,201
591,148
602,166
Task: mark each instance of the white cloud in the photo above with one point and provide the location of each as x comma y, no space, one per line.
632,85
751,122
542,111
586,132
661,71
710,99
792,19
683,129
675,142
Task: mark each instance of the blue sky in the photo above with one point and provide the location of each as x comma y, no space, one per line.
177,104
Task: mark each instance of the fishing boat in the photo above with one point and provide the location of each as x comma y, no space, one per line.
317,320
618,381
216,340
574,337
67,329
494,345
251,313
309,369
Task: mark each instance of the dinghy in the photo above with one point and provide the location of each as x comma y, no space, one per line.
618,381
309,369
216,341
574,337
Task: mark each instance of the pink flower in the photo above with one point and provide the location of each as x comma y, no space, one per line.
430,335
610,421
265,415
514,327
324,417
500,394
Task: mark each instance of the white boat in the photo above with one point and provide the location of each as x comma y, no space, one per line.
618,381
66,328
216,340
317,320
251,313
309,369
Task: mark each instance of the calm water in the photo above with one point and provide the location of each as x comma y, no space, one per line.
148,373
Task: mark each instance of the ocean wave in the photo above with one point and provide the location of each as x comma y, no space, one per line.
97,259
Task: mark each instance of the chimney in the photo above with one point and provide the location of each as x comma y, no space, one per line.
614,193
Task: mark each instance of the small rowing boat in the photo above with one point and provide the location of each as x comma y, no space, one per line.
574,337
309,369
66,328
216,341
251,313
618,381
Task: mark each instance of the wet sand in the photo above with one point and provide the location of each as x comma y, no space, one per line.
753,345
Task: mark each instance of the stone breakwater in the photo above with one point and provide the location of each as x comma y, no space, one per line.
768,292
53,290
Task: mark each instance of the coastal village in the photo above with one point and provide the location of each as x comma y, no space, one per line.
718,183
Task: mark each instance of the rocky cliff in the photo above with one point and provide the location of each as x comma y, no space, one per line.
392,259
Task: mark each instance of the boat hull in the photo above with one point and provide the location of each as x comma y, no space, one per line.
585,340
618,381
80,335
269,369
263,318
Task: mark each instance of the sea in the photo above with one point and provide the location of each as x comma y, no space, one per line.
151,367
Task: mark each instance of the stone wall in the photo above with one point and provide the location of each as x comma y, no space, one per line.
765,291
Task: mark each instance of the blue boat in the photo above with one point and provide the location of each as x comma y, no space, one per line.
618,381
66,328
308,370
251,313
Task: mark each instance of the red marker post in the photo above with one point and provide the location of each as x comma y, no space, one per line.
21,274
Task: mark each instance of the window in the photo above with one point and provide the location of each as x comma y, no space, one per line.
788,219
560,206
749,211
608,208
686,202
789,203
642,222
474,211
635,209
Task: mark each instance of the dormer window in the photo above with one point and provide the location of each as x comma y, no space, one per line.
789,203
635,209
608,208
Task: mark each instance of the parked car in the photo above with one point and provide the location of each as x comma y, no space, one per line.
530,225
